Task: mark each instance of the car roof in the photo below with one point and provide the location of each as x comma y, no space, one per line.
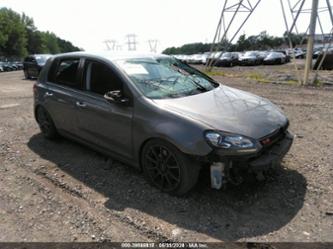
113,56
36,55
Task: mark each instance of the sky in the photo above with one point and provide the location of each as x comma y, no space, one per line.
87,24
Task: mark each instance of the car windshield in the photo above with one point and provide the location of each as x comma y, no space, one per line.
226,55
274,54
250,54
165,77
41,59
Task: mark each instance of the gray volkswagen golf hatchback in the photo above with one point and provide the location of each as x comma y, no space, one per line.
160,115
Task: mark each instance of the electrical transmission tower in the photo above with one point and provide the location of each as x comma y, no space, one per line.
296,9
131,42
110,44
232,9
153,45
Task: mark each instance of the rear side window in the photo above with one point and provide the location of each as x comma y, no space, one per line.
65,72
28,59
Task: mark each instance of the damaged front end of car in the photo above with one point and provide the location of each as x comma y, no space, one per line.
234,155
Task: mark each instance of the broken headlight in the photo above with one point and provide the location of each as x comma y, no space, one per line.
230,141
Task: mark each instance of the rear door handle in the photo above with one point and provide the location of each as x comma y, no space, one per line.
80,104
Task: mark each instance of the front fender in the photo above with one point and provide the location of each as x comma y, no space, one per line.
183,132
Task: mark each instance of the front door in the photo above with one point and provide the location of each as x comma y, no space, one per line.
106,124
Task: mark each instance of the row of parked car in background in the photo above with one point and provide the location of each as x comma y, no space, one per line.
253,58
229,59
7,66
33,64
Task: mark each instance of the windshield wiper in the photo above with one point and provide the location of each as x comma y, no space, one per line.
198,85
193,75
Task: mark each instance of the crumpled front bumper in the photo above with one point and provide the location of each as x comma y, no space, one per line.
272,156
267,157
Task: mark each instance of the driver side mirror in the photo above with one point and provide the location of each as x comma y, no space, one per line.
116,97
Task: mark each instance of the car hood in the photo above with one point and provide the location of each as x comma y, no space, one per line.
230,110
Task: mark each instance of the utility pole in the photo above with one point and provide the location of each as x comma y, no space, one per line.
312,31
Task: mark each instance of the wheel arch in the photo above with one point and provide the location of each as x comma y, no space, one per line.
38,106
35,111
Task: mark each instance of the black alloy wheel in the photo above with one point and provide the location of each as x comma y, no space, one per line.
168,169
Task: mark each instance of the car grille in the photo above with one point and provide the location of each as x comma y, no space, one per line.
274,137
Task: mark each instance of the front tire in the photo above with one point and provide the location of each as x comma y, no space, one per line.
167,168
46,123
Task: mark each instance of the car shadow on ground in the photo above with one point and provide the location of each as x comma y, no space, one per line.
249,210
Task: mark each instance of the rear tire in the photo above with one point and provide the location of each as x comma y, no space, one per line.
46,123
167,168
26,75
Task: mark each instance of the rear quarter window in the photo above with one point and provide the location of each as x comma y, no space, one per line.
65,72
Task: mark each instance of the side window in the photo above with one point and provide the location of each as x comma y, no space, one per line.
101,79
66,73
28,59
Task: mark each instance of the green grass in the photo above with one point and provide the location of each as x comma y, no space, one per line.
317,83
215,73
292,82
258,77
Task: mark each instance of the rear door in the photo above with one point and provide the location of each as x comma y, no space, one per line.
106,124
64,84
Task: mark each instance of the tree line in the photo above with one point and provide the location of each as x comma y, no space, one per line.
20,37
263,41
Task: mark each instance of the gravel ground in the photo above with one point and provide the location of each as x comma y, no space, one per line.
62,191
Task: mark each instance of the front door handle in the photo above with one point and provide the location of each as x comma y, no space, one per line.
48,94
80,104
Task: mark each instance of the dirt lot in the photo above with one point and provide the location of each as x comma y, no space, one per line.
62,191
